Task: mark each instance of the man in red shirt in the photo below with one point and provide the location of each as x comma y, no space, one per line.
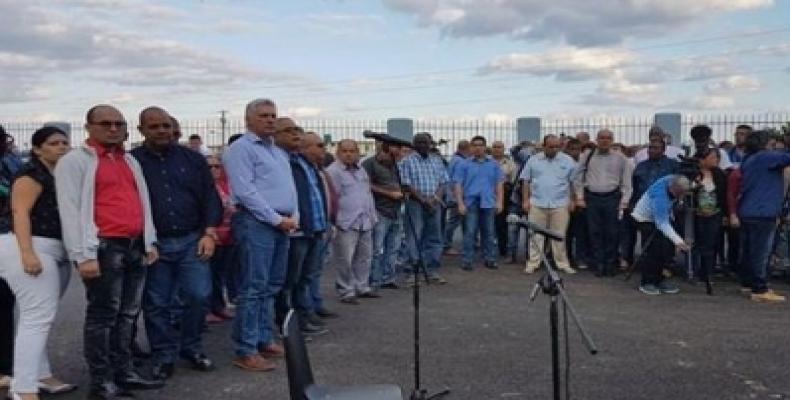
108,232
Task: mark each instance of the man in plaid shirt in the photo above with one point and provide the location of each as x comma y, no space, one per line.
424,177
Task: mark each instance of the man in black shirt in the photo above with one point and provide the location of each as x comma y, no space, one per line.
387,234
186,211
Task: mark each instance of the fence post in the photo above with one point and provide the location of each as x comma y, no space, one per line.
670,123
528,128
402,128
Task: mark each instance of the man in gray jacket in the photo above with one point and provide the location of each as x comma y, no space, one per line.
109,234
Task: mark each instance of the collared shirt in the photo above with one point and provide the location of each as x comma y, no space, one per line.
762,184
605,173
261,180
550,179
183,196
656,206
386,176
118,211
356,208
648,172
423,174
317,206
456,159
478,179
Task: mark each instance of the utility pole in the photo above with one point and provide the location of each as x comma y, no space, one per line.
223,120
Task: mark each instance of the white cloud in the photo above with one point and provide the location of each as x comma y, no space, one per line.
566,64
706,103
734,84
304,112
343,24
581,23
235,26
497,117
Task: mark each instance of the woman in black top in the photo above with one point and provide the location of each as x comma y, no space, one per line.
711,205
33,262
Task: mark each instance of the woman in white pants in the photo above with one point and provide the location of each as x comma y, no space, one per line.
33,262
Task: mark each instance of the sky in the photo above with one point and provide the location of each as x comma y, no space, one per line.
375,59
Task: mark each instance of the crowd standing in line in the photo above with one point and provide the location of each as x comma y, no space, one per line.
177,237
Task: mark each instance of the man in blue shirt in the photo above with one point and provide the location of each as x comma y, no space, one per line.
647,172
186,210
479,192
262,186
653,214
548,178
762,194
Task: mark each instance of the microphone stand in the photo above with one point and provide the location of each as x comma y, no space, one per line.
419,393
551,285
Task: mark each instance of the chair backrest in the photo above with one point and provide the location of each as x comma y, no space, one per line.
300,375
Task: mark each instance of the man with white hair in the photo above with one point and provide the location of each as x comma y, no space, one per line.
264,192
653,213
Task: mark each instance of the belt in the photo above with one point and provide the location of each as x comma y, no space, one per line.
602,194
240,207
123,242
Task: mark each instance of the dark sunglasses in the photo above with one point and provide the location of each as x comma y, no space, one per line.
214,166
159,126
110,124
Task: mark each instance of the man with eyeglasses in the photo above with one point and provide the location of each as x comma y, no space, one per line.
262,186
186,211
108,231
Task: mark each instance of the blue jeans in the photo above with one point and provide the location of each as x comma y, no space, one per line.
428,240
178,272
263,257
578,239
313,300
224,267
386,241
482,219
757,235
302,258
304,299
706,241
454,220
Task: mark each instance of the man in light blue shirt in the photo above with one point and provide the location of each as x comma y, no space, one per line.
263,189
548,180
453,218
479,192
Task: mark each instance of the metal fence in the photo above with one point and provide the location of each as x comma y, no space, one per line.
628,130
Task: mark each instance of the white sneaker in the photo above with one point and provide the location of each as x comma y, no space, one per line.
567,270
530,270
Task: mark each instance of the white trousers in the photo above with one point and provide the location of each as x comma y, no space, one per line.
553,219
352,256
37,299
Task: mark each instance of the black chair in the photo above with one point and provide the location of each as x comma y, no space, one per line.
300,374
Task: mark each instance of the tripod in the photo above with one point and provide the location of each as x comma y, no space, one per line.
551,285
418,393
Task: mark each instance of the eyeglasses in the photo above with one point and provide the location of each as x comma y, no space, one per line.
159,126
110,124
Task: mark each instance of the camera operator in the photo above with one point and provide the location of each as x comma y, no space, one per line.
701,135
653,212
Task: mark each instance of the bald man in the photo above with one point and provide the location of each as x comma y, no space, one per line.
186,211
112,246
356,217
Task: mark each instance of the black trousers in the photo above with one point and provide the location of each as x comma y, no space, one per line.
114,300
603,229
658,253
7,330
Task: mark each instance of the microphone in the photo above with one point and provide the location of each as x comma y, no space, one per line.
532,227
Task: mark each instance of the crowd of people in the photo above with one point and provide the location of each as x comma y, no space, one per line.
172,236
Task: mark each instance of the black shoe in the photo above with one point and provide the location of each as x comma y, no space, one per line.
369,295
325,314
309,329
162,371
313,319
133,380
199,362
391,285
491,265
350,300
107,391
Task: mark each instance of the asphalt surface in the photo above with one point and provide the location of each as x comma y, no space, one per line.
481,340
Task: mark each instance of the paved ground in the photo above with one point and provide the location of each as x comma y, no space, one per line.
480,341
